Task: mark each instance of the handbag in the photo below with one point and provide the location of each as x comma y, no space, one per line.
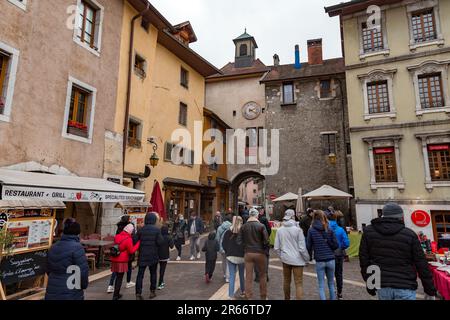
115,251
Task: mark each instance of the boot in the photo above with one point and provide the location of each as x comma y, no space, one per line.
139,297
152,295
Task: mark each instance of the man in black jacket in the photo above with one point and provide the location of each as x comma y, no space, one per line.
151,239
388,245
263,219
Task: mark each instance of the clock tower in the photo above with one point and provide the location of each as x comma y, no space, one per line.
245,50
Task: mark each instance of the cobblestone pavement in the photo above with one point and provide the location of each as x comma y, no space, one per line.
185,281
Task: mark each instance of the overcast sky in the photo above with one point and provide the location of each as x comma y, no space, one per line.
276,25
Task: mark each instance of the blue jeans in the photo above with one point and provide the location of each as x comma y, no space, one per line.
396,294
326,268
233,269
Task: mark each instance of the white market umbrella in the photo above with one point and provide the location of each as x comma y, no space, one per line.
287,197
326,192
299,206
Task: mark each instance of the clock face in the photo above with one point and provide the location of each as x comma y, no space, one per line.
251,110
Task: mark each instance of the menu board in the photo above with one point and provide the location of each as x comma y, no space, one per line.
137,219
17,268
30,234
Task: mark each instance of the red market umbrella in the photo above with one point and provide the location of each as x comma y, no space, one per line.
157,201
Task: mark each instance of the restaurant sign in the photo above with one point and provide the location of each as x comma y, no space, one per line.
69,195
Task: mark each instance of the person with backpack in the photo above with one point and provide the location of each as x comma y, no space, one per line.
179,231
63,254
224,227
290,246
120,257
322,243
211,247
339,254
164,255
395,249
124,221
235,257
151,239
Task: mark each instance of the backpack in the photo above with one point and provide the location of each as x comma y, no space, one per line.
115,251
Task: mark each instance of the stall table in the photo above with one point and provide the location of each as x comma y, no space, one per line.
97,243
355,241
441,282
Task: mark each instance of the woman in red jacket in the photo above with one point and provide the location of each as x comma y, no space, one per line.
119,264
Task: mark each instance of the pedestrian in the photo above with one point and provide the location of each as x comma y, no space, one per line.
151,239
339,253
263,219
387,244
217,220
67,252
211,247
245,215
226,225
340,219
255,240
305,221
179,231
195,229
322,242
290,245
164,255
120,264
124,221
234,253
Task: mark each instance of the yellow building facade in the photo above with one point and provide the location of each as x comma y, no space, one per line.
162,90
397,56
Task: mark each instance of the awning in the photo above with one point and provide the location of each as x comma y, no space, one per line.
326,192
287,197
19,185
181,182
133,204
32,204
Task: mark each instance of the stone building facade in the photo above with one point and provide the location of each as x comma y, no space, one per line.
307,103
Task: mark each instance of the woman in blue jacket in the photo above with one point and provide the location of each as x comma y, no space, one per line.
339,254
64,258
322,242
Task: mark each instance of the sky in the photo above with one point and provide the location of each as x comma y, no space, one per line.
276,25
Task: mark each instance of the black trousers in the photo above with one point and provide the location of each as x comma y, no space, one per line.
118,285
162,271
338,273
210,266
179,247
140,277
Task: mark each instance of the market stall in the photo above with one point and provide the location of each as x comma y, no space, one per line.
136,210
27,229
441,278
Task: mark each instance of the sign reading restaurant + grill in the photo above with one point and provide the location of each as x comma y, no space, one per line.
70,195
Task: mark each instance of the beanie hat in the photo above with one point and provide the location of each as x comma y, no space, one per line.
289,215
253,212
129,228
71,227
392,210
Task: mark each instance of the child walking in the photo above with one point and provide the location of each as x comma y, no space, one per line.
164,255
211,248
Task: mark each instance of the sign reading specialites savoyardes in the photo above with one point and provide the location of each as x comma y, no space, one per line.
17,268
71,195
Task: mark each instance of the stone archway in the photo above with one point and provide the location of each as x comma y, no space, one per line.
237,181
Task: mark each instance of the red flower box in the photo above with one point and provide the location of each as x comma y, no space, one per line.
77,125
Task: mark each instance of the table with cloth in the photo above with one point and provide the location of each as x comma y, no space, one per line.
441,282
355,241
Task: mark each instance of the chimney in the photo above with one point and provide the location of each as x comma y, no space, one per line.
276,60
297,57
315,52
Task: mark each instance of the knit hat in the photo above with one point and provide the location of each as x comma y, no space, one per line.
71,227
289,215
129,228
392,210
253,212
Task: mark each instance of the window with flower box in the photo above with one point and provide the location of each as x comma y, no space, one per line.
134,133
439,161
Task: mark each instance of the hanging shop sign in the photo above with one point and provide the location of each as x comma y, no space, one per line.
70,195
420,218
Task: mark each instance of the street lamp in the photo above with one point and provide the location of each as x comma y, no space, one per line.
154,159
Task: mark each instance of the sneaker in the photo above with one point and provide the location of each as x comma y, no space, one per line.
199,255
161,286
339,296
178,258
227,280
110,289
118,297
192,258
139,297
242,295
152,295
130,285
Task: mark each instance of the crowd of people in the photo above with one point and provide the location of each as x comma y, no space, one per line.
242,244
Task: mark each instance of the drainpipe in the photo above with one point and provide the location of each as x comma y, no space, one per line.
130,68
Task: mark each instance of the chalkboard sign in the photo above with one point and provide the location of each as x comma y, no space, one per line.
21,267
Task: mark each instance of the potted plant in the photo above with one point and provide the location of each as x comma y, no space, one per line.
77,128
6,244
